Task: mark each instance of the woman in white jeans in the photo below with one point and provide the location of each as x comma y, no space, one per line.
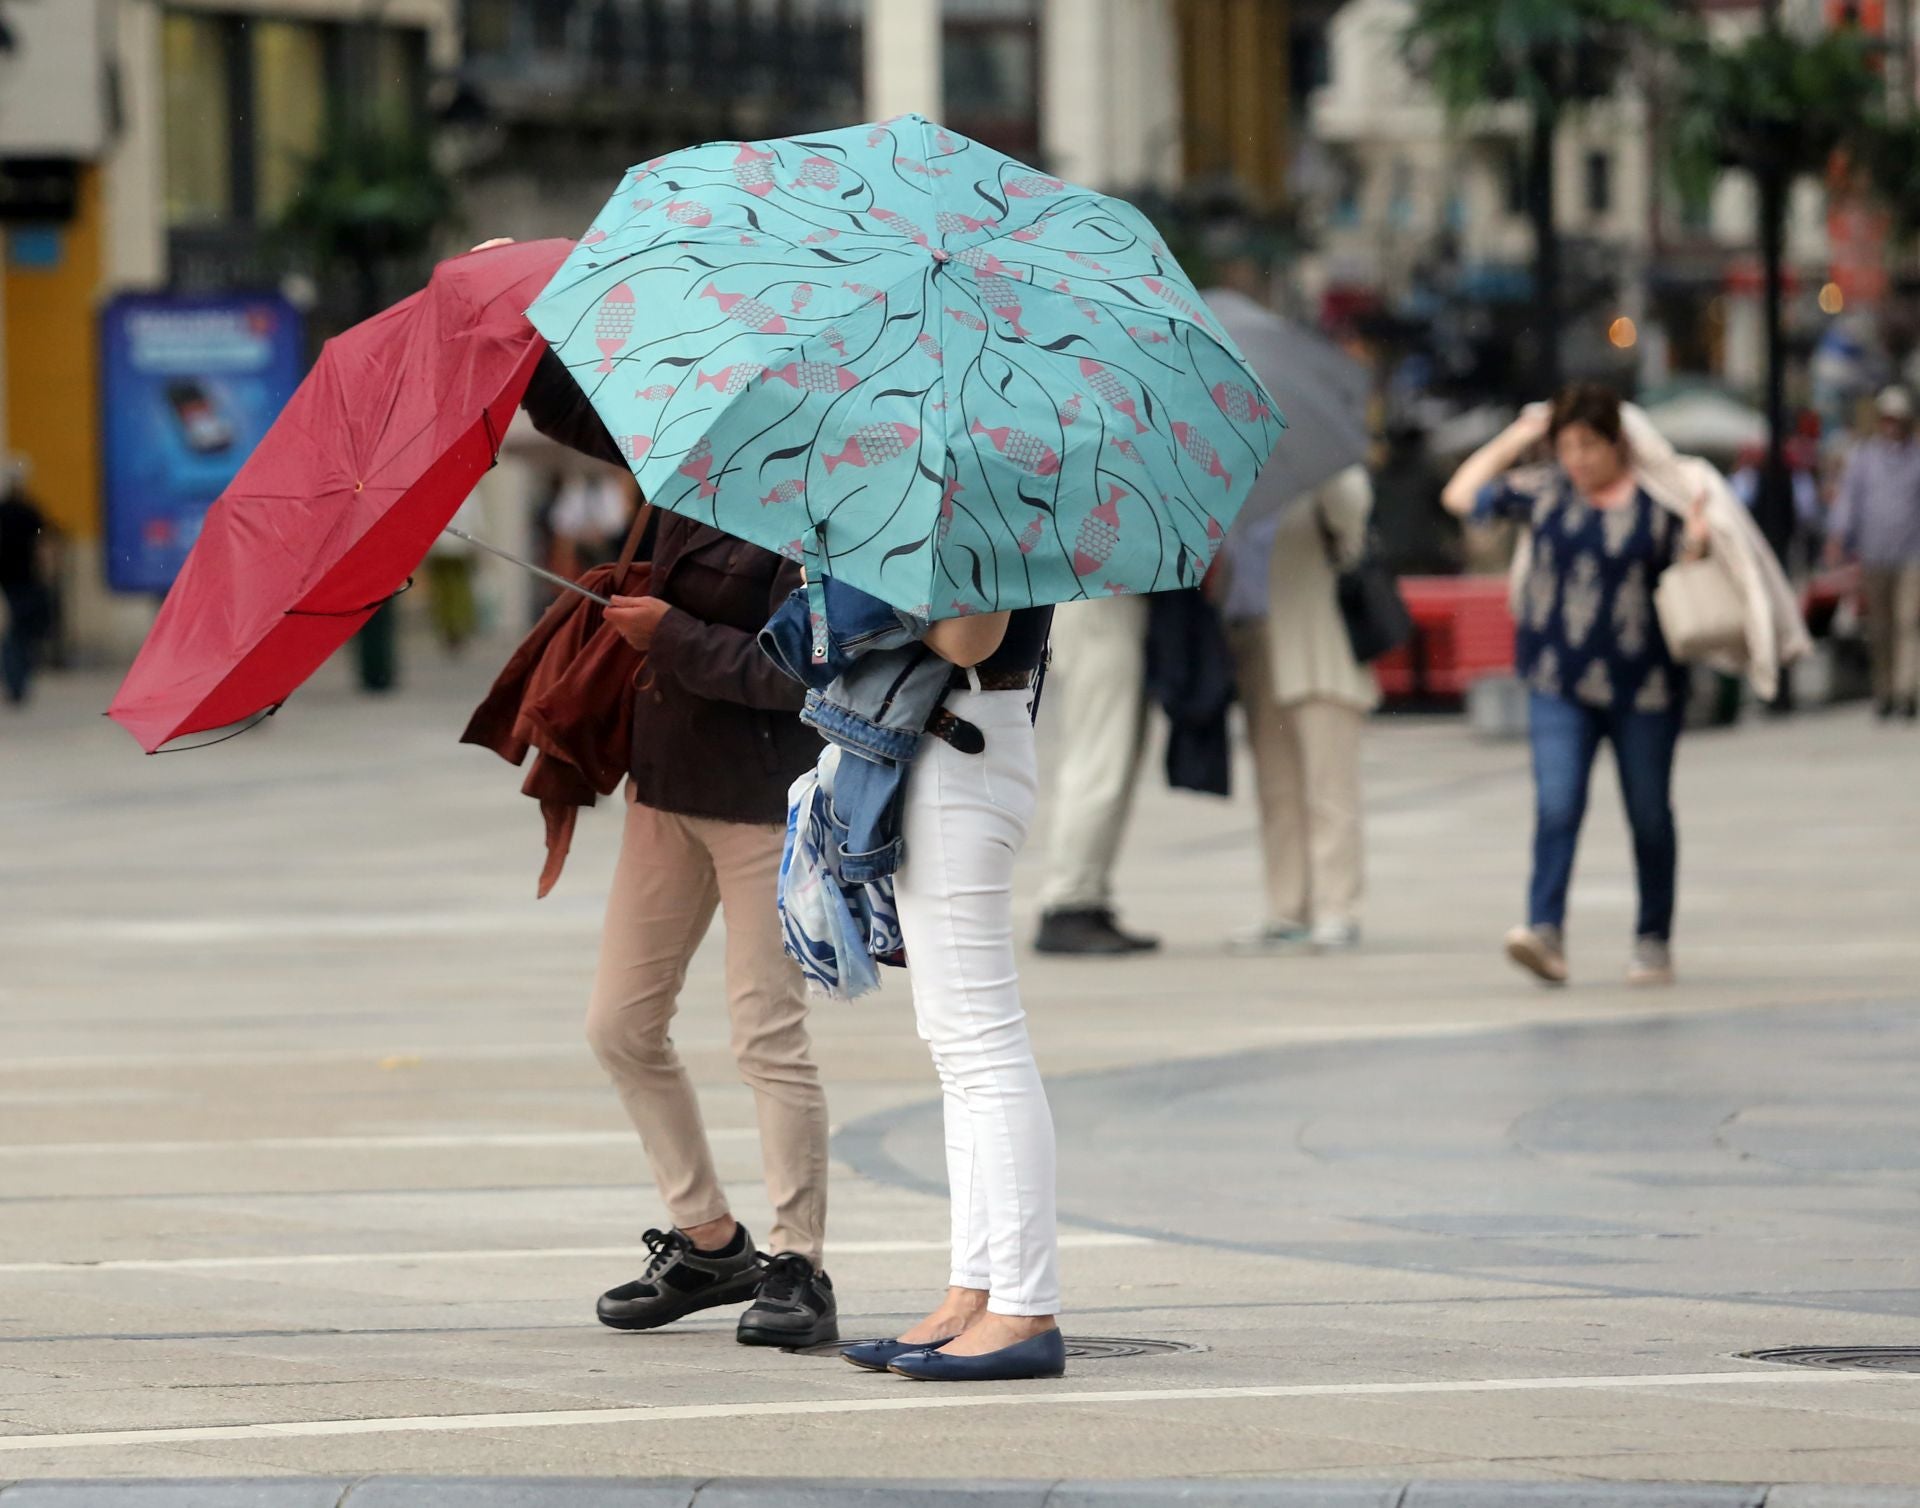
965,819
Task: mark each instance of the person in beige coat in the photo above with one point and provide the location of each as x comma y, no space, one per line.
1306,699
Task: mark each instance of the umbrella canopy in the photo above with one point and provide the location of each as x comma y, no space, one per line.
1322,390
928,370
369,460
1703,421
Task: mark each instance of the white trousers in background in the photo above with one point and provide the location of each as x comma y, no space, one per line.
965,818
1096,696
1306,758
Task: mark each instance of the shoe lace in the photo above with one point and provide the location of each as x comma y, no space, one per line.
787,1275
665,1247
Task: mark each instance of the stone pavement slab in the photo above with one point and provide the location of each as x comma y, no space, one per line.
772,1492
306,1172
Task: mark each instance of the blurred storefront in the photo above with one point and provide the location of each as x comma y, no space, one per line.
148,146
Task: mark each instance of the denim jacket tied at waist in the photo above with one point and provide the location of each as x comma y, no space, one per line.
872,696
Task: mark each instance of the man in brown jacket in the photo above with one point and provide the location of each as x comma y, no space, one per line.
716,743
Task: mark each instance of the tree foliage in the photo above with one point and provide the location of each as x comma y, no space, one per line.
372,194
1549,54
1776,103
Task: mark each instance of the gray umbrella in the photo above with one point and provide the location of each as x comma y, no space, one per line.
1321,391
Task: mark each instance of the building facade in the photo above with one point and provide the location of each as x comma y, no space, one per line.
182,127
155,144
1399,190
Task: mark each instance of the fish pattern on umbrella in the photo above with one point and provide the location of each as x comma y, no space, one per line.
953,381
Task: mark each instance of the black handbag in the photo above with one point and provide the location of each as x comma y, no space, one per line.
1370,603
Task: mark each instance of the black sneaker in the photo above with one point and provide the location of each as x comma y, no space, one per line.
1089,931
681,1279
795,1307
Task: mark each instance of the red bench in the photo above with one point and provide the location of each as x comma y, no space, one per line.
1463,632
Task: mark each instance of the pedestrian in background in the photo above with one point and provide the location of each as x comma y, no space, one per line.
1307,698
451,601
23,583
589,519
1097,690
1590,648
1876,520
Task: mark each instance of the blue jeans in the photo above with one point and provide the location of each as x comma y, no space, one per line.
1566,735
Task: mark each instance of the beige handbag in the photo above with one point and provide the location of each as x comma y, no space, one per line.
1702,613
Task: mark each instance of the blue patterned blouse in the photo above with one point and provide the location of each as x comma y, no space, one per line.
1587,631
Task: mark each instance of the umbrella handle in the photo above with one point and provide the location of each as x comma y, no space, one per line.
351,612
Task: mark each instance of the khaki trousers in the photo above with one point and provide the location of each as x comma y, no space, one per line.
1096,688
1893,630
672,874
1306,758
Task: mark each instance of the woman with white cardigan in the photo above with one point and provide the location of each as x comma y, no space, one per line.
1306,699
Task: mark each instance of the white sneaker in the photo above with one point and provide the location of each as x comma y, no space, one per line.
1270,937
1541,951
1336,937
1652,963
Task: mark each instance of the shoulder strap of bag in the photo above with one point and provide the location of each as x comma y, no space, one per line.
1328,542
632,547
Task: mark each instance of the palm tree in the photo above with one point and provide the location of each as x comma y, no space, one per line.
1552,56
1780,107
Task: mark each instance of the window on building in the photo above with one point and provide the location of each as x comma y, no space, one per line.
1599,183
290,82
488,27
1400,195
1512,166
248,101
197,60
990,72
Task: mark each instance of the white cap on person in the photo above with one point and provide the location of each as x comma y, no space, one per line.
1894,403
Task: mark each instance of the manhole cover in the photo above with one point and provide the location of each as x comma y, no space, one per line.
1079,1348
1864,1358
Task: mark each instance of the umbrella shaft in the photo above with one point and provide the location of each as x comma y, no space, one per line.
528,565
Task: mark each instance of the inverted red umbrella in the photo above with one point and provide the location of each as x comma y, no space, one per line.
339,502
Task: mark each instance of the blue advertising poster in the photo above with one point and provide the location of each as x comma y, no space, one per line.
188,387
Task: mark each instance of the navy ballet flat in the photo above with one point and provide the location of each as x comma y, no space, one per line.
1044,1355
878,1355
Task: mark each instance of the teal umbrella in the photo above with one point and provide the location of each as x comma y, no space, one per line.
922,367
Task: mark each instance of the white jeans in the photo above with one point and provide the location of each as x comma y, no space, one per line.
966,816
1097,697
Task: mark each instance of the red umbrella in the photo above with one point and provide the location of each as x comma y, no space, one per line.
341,499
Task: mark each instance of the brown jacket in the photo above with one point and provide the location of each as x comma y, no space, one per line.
716,731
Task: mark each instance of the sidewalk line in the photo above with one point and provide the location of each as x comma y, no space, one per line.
1316,1034
268,1056
31,1150
922,1398
1092,1240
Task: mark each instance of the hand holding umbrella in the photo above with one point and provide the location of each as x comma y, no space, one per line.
636,618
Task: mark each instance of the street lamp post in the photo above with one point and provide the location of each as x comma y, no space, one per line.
1773,511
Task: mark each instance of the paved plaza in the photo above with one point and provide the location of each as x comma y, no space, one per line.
305,1167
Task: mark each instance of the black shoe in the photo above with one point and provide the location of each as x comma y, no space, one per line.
681,1279
1885,711
1089,931
1911,709
795,1307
